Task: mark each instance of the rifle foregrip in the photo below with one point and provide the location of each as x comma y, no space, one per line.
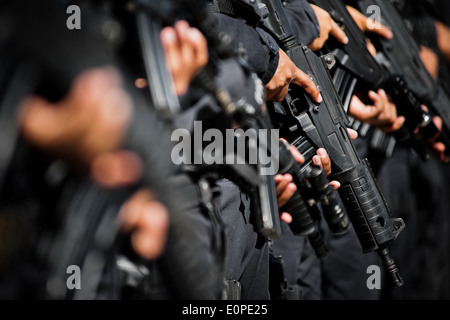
304,224
367,208
302,221
318,244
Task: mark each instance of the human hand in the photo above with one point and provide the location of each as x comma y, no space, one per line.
287,73
86,129
285,188
284,185
322,159
327,27
186,53
431,61
89,121
443,36
148,221
383,113
435,146
368,26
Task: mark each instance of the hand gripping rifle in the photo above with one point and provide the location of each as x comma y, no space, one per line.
357,70
310,126
244,108
258,119
313,188
412,85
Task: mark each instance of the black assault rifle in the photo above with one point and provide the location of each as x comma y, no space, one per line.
309,126
412,84
76,224
245,110
357,70
313,193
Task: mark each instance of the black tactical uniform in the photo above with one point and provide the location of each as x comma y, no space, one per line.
423,249
299,261
302,268
247,252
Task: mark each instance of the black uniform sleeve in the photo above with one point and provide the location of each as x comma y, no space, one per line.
425,31
439,9
303,20
261,49
419,22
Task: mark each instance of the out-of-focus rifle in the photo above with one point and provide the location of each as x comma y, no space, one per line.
245,108
76,224
407,79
